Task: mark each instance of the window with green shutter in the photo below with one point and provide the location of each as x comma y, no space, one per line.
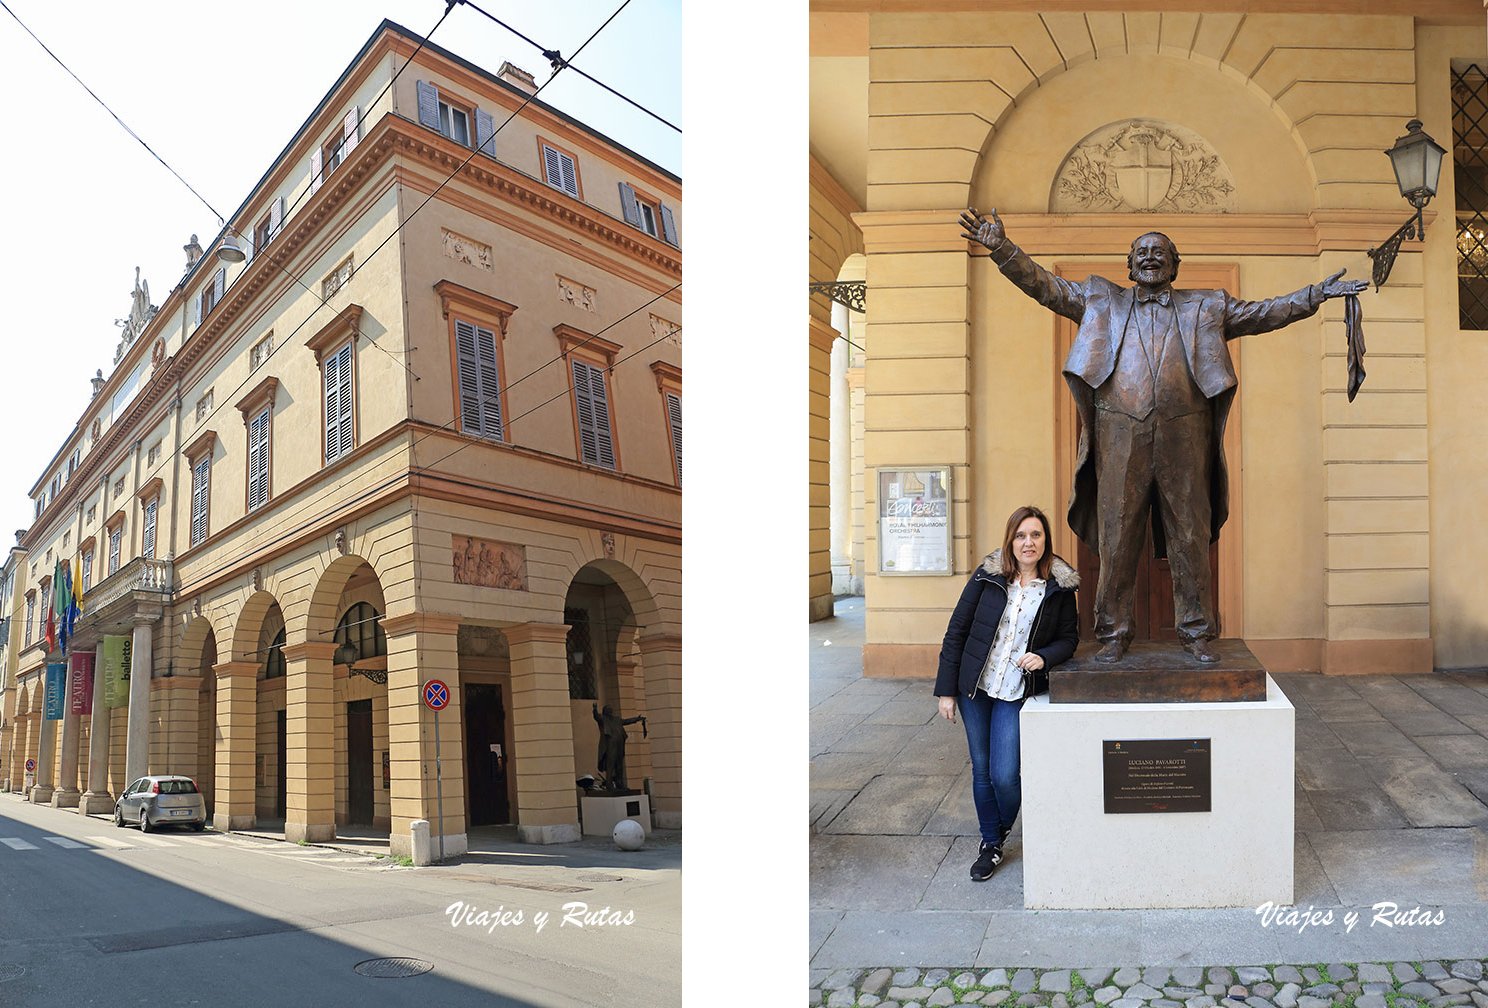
592,405
476,364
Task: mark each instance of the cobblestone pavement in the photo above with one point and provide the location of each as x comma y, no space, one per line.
1320,985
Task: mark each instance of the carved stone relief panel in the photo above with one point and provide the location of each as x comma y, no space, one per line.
467,250
574,293
1143,165
661,329
489,564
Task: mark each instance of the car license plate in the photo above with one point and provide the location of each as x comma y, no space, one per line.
181,811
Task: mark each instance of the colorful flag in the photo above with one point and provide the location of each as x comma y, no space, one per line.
51,612
62,601
75,597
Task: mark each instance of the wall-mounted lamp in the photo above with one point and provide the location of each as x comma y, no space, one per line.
1417,161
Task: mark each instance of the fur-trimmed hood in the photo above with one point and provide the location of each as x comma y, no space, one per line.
1064,575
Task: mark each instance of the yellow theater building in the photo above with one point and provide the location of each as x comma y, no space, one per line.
1253,135
395,441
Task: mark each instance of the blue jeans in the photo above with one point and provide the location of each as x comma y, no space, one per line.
996,785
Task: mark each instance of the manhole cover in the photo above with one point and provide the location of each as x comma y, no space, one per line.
392,969
11,972
600,878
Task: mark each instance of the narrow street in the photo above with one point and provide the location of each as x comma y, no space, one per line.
94,915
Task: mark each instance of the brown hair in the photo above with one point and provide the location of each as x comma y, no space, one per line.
1010,562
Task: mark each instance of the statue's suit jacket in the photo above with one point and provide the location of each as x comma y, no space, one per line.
1206,319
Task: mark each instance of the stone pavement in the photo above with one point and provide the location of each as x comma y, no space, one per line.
1391,785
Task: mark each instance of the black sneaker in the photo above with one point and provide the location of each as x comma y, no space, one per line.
988,858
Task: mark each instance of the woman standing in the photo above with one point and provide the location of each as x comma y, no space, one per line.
1015,621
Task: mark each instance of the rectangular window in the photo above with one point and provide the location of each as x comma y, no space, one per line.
559,169
479,375
648,214
592,403
339,404
201,485
87,570
147,538
116,543
454,122
258,459
46,600
462,122
30,617
1470,159
268,226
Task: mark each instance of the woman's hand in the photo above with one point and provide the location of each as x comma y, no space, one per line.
948,708
1030,662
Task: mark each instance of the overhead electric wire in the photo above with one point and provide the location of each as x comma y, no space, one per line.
556,60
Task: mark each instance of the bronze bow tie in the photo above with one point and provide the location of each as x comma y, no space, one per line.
1164,298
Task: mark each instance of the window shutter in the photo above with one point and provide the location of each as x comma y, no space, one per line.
258,459
674,419
570,176
470,412
339,412
584,406
200,477
595,442
276,217
147,538
485,351
485,130
196,312
428,104
350,131
219,286
629,206
552,168
315,169
669,226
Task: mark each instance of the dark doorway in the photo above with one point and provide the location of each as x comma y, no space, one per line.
486,757
359,762
281,774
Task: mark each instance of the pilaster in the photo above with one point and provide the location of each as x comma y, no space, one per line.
542,733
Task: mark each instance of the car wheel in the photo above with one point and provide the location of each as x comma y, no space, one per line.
145,826
118,817
199,826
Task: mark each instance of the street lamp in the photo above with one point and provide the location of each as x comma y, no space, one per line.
1417,160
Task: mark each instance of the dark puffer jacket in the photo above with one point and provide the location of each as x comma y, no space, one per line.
968,639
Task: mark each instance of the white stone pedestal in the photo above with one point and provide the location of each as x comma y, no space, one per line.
1239,854
602,812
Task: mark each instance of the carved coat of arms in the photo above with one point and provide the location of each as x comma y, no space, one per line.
1140,165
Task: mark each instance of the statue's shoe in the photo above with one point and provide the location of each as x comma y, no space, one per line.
1111,652
1202,650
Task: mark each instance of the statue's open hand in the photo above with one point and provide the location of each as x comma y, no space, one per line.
1335,287
975,227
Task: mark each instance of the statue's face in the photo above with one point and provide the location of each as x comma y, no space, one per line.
1153,261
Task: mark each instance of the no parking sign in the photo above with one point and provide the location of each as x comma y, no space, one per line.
436,695
436,698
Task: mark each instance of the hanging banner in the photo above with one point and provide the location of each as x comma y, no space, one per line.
80,682
115,654
56,691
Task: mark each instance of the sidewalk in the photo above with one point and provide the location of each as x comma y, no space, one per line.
1391,785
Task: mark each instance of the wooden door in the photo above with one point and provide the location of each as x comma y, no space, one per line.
359,762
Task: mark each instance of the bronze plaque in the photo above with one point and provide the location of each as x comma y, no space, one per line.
1157,775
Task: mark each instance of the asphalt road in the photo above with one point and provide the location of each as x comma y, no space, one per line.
94,915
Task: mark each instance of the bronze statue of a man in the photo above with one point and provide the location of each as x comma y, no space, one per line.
612,738
1153,383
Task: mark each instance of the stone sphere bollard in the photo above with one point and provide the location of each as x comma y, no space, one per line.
628,835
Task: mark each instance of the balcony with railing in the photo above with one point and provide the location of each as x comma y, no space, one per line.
136,592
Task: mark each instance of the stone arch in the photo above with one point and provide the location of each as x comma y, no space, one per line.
246,631
316,620
944,86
